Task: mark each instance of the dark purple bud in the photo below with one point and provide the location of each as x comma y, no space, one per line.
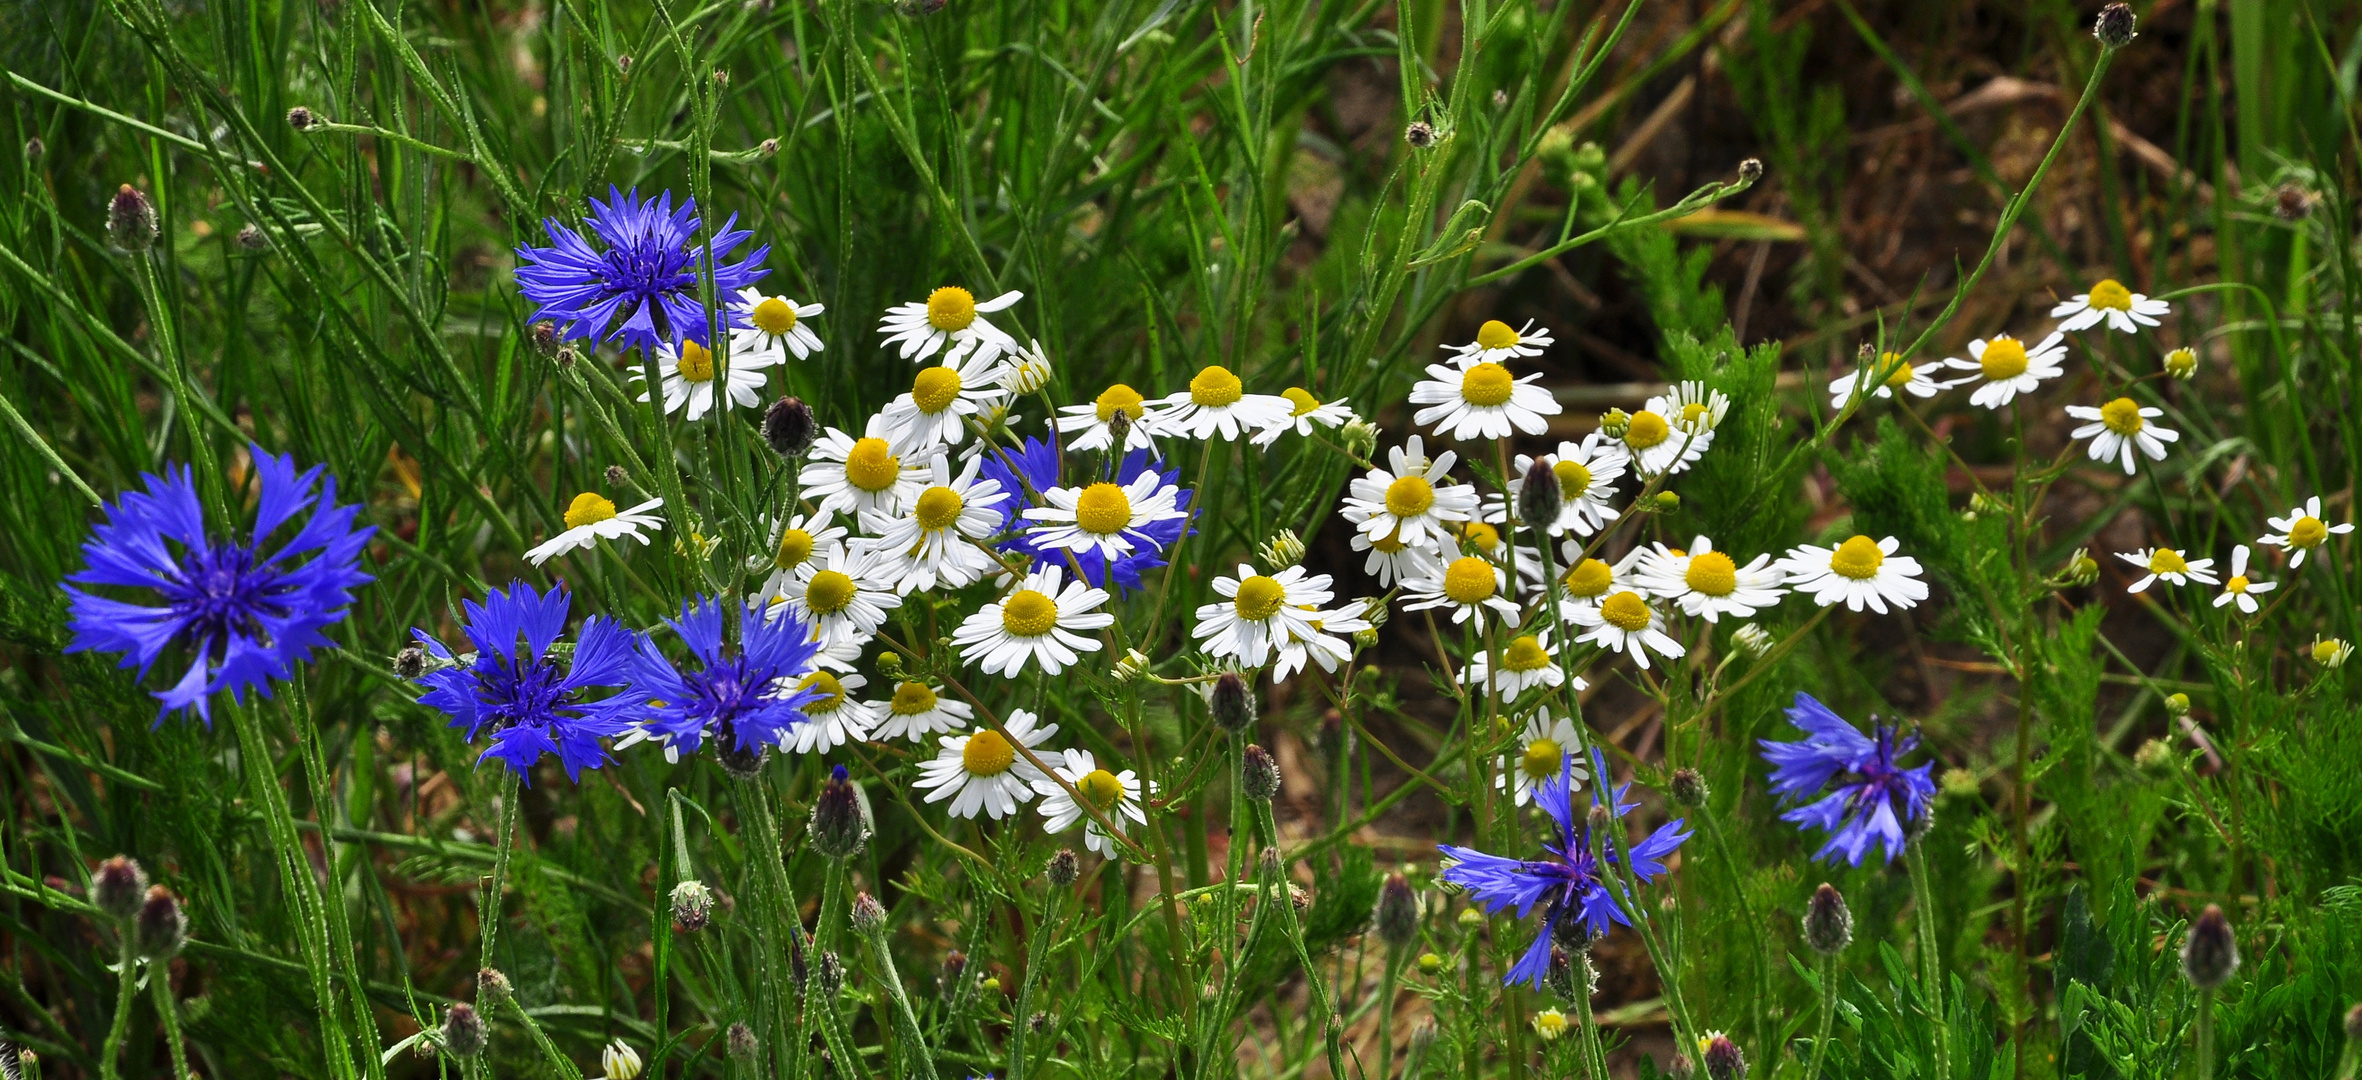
131,219
1828,925
1064,869
161,928
1398,912
463,1030
839,827
2211,953
789,427
1723,1060
1260,775
1231,702
1539,497
119,888
302,118
2114,27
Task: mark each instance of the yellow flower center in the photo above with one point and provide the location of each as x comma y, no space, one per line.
1647,430
2111,295
1215,387
1030,613
1902,373
1409,496
696,365
2123,416
987,754
2237,584
1120,398
1259,598
2181,362
795,545
1300,400
829,592
586,508
1590,579
2168,561
872,465
1390,543
1858,558
1574,479
2004,358
935,389
1101,787
1550,1024
1712,573
939,506
1478,536
1486,385
1103,509
774,316
1470,580
1693,414
1495,334
832,693
2307,531
1524,653
1542,759
912,699
1626,611
951,308
2326,650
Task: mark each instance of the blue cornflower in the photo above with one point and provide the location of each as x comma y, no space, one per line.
1570,877
638,284
749,697
534,703
1872,796
245,617
1033,469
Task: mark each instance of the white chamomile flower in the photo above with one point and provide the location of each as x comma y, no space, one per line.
1912,379
1108,518
1390,560
1481,401
950,316
1116,795
856,476
1027,370
2008,367
2120,427
1092,427
832,719
1217,405
1410,503
982,770
918,710
1672,431
1541,756
1709,584
2302,531
590,518
2240,588
1328,643
1037,621
775,325
2124,310
1526,662
1496,342
1626,623
1467,587
935,411
794,539
938,538
841,592
1857,572
1306,413
689,373
2169,564
1587,473
619,1061
839,656
1260,613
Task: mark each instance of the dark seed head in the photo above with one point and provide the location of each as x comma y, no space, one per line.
1231,702
1688,789
1723,1060
623,63
1398,912
1750,170
119,888
1539,499
161,928
839,827
463,1030
616,477
251,238
741,1041
789,427
1420,134
1828,925
2211,953
2114,27
302,118
545,337
1260,782
1064,869
410,663
131,219
1038,1022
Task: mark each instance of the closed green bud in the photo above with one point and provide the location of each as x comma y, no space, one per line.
119,887
2177,705
840,824
160,928
1429,963
868,916
1283,550
1688,789
693,906
890,666
1614,423
1398,912
2211,952
1828,925
1258,775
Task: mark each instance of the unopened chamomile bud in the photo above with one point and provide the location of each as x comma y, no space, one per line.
2211,952
1358,437
1752,637
890,666
2082,569
34,148
1429,963
119,887
2177,705
2182,363
1283,550
1397,917
1365,639
161,927
693,906
619,1061
463,1030
1470,918
2155,757
990,985
1688,788
868,916
1029,371
1133,665
1231,702
1614,423
1828,923
1667,502
1064,868
1258,774
1539,496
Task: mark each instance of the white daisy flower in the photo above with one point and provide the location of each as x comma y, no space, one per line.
1912,379
795,538
2302,531
1390,560
2169,564
1307,413
1217,405
2118,428
2124,310
1466,588
2008,368
918,710
1709,584
1587,582
841,592
689,379
1626,623
1857,572
1542,755
1038,621
949,317
591,518
1496,342
1103,516
776,326
856,476
938,538
1410,503
1115,795
1673,430
1481,401
1587,473
1090,424
2240,587
1526,662
982,770
832,719
1026,371
1329,641
1260,613
935,410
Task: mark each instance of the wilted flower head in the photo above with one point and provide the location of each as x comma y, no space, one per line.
620,1061
2332,652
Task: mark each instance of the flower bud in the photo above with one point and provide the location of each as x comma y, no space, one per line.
493,988
1750,170
1119,428
1365,639
302,118
34,148
1958,783
1683,1067
463,1030
1723,1059
741,1041
789,427
1420,134
1752,637
1688,789
1133,665
768,147
2292,203
2177,705
2155,757
2354,1025
1614,423
1550,1024
990,985
623,63
741,763
1358,437
868,916
1259,775
1284,550
161,928
832,973
2082,569
1298,897
616,477
1037,1023
1398,912
839,825
955,964
410,663
721,77
2114,27
119,888
566,357
2182,363
2332,652
1539,498
1828,926
1231,702
131,220
620,1061
1429,963
1029,371
250,237
1666,502
2210,954
1064,868
1470,918
693,906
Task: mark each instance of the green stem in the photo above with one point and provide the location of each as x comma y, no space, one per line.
1761,1031
2206,1034
1931,955
1037,955
127,977
1387,987
160,984
295,876
1828,1016
915,1053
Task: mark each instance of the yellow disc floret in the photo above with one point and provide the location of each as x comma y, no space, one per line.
1478,536
1101,787
1300,400
1712,573
1119,398
1525,653
1574,479
872,465
1626,611
1470,580
2168,561
2123,416
912,699
2110,295
1589,579
1409,496
1215,387
1858,558
1259,598
774,316
1030,613
587,508
1103,509
1542,759
2004,358
831,692
1486,385
951,308
829,592
987,754
1647,430
795,545
696,364
1495,334
938,507
1902,373
935,389
2307,532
